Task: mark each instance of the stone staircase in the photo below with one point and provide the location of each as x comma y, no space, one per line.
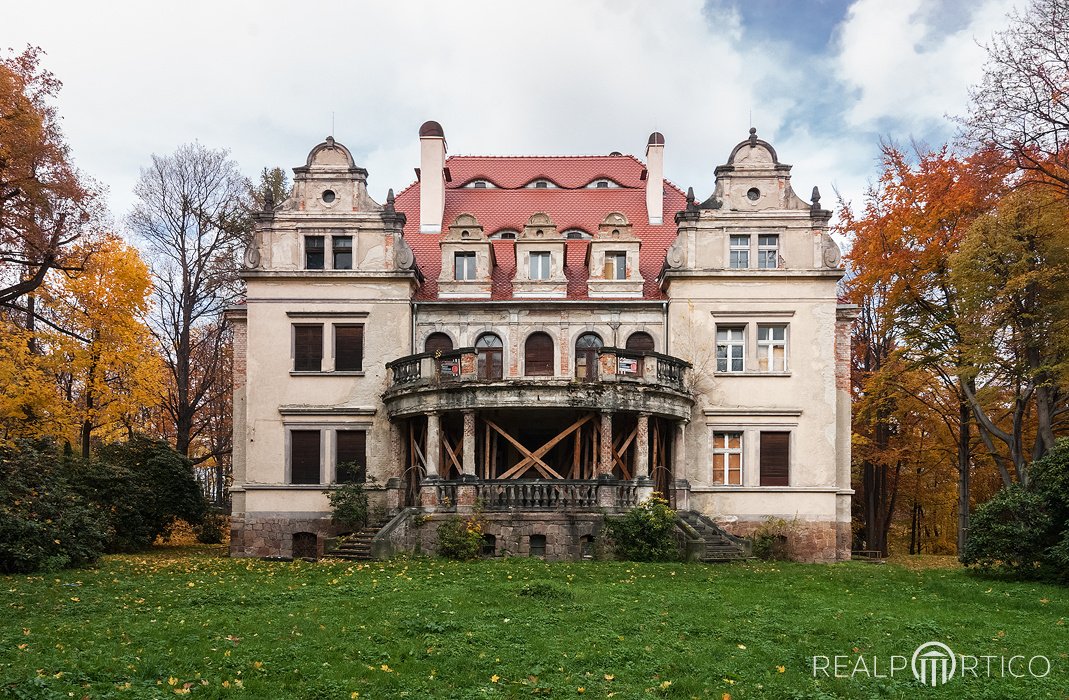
708,542
357,546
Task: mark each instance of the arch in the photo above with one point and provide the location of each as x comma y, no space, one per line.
438,341
538,355
331,157
305,545
586,356
640,340
490,356
489,547
615,219
586,547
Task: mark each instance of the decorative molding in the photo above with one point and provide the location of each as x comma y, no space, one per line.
755,412
301,410
328,314
752,313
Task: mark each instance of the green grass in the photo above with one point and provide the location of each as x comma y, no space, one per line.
146,626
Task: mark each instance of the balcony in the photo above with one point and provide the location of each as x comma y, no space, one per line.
622,380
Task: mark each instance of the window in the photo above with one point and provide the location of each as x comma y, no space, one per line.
540,266
349,348
615,266
775,458
313,252
740,252
490,358
586,356
730,349
768,251
639,340
438,342
577,235
541,184
489,547
350,456
727,459
305,545
343,252
601,184
538,355
308,348
304,457
538,545
464,266
772,348
504,235
586,547
479,184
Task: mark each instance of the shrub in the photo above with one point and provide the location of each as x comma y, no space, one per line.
645,533
461,538
212,529
1023,531
349,506
45,523
770,540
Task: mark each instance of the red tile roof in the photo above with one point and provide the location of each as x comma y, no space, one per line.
571,206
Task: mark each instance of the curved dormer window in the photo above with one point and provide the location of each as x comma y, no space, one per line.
602,183
577,234
503,235
541,184
480,185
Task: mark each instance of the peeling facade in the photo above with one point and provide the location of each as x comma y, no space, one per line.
531,334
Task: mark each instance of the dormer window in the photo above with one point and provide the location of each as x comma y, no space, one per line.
576,234
464,266
540,263
541,185
616,265
504,235
313,253
479,184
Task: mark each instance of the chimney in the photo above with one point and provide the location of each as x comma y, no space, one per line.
431,177
655,178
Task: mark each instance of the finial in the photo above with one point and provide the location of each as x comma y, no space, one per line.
753,136
269,199
330,141
389,201
691,206
816,198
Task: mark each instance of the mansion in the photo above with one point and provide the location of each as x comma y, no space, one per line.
547,339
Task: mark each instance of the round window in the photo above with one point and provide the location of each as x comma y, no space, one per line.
328,196
753,194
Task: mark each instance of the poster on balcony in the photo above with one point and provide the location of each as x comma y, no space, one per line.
626,365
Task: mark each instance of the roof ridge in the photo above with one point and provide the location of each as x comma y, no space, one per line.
514,156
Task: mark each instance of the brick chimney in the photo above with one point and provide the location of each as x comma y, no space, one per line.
655,178
432,177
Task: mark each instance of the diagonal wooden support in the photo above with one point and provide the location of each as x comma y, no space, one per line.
537,454
451,453
618,454
543,468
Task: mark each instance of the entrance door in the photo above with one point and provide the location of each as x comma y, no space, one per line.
586,356
491,357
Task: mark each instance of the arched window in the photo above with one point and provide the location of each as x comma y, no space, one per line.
491,356
586,356
538,355
438,342
640,340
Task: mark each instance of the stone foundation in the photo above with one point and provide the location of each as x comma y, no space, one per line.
273,537
807,541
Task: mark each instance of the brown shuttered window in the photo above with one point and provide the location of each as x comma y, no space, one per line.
438,341
538,355
775,458
348,348
304,457
351,456
640,340
308,348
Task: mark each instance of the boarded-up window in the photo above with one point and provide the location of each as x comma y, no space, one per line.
438,342
538,355
615,266
351,456
308,348
586,356
775,458
304,457
640,341
349,348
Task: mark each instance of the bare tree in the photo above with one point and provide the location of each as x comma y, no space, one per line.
1021,105
192,215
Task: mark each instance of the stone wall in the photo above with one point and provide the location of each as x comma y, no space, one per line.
273,537
807,541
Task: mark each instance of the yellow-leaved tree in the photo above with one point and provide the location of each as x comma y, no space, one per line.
105,361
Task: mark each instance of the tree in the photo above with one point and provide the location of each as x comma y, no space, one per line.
45,205
1021,105
105,361
1012,273
192,214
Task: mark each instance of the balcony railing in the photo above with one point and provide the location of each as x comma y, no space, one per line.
538,494
614,365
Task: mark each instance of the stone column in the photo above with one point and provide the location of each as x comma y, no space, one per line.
468,457
643,483
679,467
605,460
433,448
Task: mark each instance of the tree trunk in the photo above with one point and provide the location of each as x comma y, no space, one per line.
964,459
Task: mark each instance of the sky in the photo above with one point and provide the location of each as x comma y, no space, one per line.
822,80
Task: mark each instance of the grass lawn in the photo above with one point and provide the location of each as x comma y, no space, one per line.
188,620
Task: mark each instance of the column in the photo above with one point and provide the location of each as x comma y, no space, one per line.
679,467
432,450
605,460
468,458
642,447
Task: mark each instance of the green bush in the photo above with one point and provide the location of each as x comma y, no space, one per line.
460,538
645,533
770,540
212,529
45,523
1023,532
349,506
